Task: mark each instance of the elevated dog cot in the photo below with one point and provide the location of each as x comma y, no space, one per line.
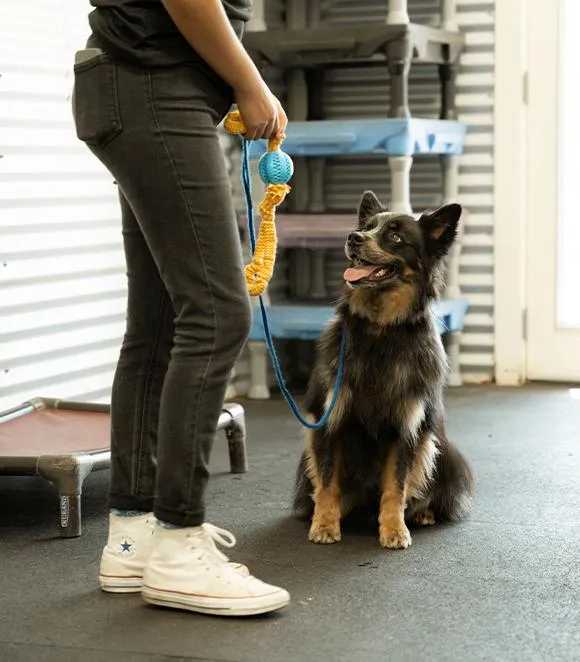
65,441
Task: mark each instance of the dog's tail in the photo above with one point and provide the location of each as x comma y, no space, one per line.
303,505
452,495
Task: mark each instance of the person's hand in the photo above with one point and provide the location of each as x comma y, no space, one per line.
261,112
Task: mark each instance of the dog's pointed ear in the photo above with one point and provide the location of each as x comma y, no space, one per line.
439,228
369,205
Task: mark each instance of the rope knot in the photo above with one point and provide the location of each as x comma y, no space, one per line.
234,123
275,194
274,143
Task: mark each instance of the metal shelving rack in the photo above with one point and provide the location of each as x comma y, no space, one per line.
305,51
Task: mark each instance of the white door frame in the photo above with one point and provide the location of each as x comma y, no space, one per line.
553,347
510,208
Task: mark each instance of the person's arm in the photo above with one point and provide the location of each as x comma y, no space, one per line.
206,27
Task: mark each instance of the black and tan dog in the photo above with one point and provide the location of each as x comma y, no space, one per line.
385,443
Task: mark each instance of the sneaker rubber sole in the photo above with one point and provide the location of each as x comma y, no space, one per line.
134,584
111,584
251,606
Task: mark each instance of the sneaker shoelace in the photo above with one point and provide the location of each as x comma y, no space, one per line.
205,542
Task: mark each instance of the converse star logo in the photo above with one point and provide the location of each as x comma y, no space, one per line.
125,547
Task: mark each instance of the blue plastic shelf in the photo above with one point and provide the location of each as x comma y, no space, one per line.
391,137
306,322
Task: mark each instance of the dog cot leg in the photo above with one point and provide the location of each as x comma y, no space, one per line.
68,473
236,436
400,167
397,13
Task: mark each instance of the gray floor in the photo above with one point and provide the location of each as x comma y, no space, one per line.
503,586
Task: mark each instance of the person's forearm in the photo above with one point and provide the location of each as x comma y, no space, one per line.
206,27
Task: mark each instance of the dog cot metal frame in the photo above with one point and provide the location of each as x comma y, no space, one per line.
66,467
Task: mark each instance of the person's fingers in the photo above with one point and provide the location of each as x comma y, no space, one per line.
275,131
282,121
269,129
254,131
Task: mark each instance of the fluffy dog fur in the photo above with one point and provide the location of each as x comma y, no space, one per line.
385,445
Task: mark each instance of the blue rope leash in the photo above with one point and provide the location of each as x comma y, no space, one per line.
246,181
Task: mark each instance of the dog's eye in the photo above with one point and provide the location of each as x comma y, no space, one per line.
396,237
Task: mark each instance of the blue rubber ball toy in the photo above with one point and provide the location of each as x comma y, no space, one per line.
275,167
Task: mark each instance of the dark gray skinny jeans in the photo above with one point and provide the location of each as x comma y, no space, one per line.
188,313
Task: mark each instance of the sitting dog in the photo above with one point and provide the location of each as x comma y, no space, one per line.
385,443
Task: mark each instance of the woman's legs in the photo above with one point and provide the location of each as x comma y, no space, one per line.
184,258
188,220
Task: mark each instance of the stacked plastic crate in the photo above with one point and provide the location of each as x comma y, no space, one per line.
317,45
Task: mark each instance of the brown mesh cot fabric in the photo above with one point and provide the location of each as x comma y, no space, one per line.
64,441
56,431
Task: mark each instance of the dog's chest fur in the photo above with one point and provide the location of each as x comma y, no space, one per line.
391,376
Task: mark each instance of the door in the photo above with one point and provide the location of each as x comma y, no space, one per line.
553,266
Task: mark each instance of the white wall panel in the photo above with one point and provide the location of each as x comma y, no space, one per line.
62,274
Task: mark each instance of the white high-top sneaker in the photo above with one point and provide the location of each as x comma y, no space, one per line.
126,553
186,571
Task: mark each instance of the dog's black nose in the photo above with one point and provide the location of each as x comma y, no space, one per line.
355,238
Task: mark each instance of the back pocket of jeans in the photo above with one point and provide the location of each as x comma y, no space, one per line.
96,101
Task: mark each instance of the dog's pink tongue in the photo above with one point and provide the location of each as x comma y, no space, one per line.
352,274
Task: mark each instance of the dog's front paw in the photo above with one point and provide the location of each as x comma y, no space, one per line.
423,517
395,538
324,533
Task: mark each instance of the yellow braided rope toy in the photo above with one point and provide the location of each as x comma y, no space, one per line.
275,169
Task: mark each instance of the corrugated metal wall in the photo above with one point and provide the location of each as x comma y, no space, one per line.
475,104
62,284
